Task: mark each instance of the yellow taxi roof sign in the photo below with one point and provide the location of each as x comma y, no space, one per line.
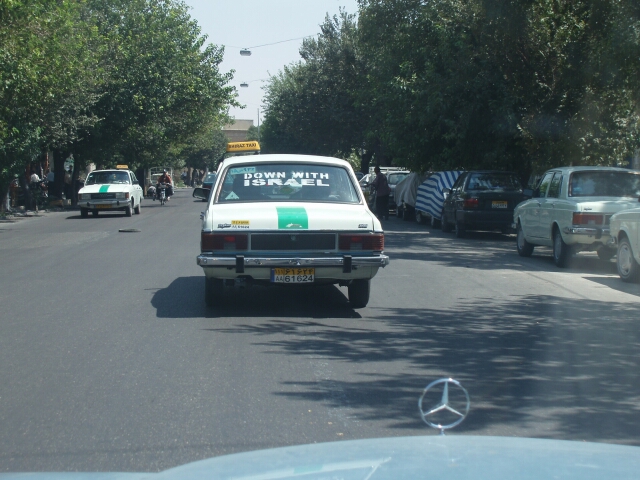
122,167
248,146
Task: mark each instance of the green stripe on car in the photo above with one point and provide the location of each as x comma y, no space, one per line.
292,218
104,188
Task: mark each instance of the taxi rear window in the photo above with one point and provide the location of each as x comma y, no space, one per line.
287,183
604,184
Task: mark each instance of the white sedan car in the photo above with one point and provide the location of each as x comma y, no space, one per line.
625,232
571,209
110,190
288,220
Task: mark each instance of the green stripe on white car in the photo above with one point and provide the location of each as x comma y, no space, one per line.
292,218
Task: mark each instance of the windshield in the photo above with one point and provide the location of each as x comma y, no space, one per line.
287,182
604,184
108,177
493,182
395,178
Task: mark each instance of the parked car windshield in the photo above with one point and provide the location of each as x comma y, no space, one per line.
604,184
287,182
494,181
395,178
101,178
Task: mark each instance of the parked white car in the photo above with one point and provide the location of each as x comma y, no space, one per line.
110,190
571,209
625,233
287,220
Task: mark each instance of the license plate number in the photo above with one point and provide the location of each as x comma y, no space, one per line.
499,204
103,206
293,275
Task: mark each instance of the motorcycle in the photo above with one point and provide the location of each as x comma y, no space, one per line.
162,193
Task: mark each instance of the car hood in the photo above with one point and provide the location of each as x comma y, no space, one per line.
106,188
438,457
290,216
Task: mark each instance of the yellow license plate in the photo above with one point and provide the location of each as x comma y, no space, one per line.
102,205
499,204
293,275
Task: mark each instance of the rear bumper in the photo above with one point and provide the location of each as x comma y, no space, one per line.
597,232
490,219
207,261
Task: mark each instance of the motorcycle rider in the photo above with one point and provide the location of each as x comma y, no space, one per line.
165,178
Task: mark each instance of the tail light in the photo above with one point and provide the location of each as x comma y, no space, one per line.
588,219
373,242
470,203
223,241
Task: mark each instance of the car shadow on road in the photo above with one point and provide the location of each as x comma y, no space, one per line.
184,298
484,251
534,365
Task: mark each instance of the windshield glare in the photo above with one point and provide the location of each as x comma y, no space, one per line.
395,178
493,181
604,184
287,183
102,178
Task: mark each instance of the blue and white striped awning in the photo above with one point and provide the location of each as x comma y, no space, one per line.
430,197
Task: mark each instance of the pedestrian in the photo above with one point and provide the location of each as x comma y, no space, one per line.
35,179
381,186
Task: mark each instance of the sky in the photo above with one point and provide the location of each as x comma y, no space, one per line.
250,23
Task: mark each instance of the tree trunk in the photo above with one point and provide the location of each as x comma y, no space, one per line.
58,173
4,195
366,161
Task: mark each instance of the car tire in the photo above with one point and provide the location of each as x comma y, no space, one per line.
444,225
138,207
605,253
213,288
129,210
460,229
420,217
94,213
84,212
525,249
628,268
359,292
561,251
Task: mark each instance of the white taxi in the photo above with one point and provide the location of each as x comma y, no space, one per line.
571,209
288,220
625,233
110,190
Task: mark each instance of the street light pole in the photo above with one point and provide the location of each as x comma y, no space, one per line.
258,124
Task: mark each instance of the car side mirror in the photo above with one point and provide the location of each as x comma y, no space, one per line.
527,192
201,193
446,192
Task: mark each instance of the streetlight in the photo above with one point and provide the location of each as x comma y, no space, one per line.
245,52
246,84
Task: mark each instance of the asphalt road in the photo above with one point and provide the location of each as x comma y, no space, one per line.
110,361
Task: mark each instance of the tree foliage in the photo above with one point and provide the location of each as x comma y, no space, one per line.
508,84
106,80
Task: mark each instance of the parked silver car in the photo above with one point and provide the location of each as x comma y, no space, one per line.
571,209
